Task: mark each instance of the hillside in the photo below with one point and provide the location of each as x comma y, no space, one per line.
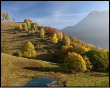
92,29
18,71
12,41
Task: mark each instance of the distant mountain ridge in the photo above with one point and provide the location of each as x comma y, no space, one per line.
94,29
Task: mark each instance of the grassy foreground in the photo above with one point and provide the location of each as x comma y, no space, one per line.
16,71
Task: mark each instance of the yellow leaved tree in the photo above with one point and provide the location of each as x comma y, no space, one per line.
28,50
67,41
74,62
54,39
42,32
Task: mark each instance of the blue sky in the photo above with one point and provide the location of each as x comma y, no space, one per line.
57,14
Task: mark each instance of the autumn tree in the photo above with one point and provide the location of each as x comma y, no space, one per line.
58,35
62,53
36,24
66,41
25,28
28,50
2,16
28,25
20,28
74,63
42,32
14,19
54,39
63,34
27,20
33,26
42,26
7,17
72,38
51,31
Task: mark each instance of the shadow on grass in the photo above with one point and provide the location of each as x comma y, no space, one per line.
50,57
45,69
101,75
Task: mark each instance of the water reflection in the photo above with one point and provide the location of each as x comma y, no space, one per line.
42,82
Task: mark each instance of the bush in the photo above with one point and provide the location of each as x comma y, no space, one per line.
28,50
99,59
74,62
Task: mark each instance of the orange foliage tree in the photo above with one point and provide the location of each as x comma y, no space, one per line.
51,31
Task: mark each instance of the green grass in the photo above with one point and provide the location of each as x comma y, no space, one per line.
13,72
50,69
90,79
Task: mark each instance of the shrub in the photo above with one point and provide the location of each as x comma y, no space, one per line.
54,39
99,59
74,62
28,50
